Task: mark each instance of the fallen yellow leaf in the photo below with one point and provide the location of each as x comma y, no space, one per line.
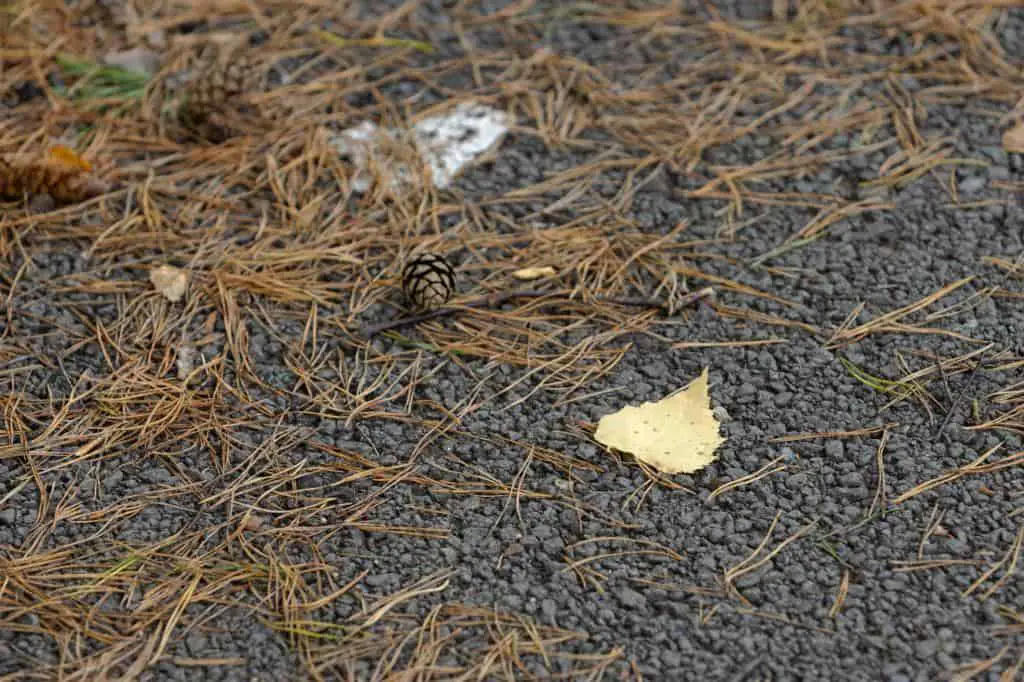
1013,139
676,434
534,273
169,281
68,157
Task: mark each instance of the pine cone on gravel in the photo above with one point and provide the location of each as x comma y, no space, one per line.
212,102
222,81
65,183
428,281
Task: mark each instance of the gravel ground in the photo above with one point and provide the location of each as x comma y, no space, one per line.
668,615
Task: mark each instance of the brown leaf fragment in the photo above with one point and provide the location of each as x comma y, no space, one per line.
1013,139
170,281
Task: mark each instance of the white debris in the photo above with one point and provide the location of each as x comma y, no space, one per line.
138,59
185,360
446,143
451,142
366,147
170,281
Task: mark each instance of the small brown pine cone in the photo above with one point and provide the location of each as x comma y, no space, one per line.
65,184
222,82
428,281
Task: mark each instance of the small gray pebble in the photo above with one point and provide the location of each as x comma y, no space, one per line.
632,599
834,449
975,183
927,648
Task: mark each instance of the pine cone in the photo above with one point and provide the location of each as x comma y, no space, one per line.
221,82
66,184
428,281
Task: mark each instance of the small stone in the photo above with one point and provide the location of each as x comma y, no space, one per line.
714,534
196,643
632,599
852,479
998,173
958,547
380,579
749,580
975,183
927,648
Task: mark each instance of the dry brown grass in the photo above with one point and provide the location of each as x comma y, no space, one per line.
267,225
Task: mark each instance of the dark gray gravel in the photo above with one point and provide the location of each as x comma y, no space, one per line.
664,614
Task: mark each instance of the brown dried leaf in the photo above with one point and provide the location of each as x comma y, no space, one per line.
170,281
1013,139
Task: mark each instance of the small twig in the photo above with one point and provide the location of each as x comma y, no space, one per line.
13,361
879,503
492,300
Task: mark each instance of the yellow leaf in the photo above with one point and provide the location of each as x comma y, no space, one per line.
66,156
1013,139
169,281
534,273
676,434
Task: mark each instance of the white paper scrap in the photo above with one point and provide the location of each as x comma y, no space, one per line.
446,143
